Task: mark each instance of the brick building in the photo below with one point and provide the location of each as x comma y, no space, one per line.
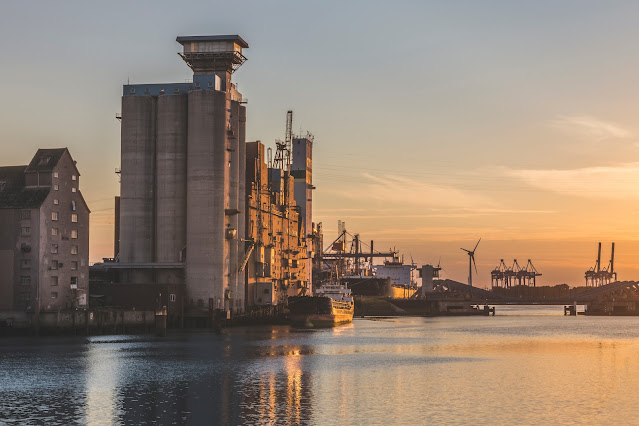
44,234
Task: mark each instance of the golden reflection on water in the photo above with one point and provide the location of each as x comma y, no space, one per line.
102,384
294,385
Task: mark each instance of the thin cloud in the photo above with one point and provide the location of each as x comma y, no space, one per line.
404,191
591,127
618,182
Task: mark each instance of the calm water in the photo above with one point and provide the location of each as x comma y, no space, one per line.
524,366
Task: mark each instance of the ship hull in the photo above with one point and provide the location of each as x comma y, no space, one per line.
307,311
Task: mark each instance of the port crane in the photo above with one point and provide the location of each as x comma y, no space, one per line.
598,276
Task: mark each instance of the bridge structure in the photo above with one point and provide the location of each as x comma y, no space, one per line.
617,298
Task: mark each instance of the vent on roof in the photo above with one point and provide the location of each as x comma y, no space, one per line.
44,161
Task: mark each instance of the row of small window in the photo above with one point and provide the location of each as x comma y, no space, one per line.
55,175
26,280
25,231
74,216
26,263
57,188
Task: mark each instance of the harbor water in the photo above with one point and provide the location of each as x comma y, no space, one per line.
526,365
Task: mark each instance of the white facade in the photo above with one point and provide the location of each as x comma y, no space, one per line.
399,274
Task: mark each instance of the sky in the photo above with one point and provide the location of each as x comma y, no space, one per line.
436,123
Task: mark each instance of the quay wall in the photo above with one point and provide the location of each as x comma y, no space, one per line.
81,321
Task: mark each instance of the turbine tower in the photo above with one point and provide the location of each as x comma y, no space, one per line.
471,262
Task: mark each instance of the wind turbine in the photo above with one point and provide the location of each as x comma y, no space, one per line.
471,262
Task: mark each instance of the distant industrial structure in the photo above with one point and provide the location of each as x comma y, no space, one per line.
200,216
598,276
504,276
44,235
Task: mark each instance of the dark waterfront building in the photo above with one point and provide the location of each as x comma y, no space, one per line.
44,235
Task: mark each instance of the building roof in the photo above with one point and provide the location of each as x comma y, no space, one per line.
13,194
235,38
24,198
45,160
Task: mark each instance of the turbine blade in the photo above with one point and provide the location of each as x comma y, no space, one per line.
476,245
473,257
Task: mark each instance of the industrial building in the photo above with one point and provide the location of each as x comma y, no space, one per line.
277,258
189,189
44,235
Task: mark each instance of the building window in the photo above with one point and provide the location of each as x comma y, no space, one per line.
44,161
73,189
74,217
25,231
55,201
54,281
54,215
25,214
73,177
54,264
74,282
74,265
132,91
56,187
73,205
25,280
74,233
54,248
25,297
25,263
54,232
55,174
74,249
54,294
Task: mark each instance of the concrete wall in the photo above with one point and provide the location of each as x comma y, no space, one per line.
170,225
137,207
207,265
234,204
302,171
6,277
241,234
9,249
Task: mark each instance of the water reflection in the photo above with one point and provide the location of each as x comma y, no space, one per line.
412,370
102,383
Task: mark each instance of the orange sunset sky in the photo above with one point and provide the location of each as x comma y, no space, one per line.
436,123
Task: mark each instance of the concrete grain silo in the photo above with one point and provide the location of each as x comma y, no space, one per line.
182,180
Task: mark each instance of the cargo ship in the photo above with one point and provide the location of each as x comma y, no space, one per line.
332,305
